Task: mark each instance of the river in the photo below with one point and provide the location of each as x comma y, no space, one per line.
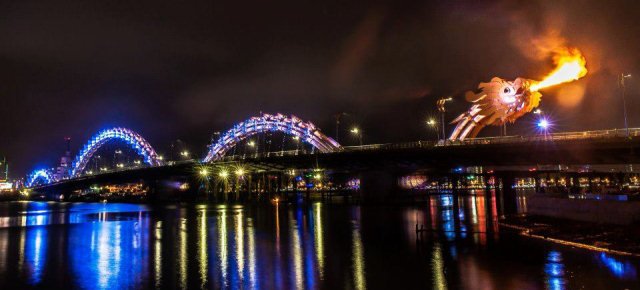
289,246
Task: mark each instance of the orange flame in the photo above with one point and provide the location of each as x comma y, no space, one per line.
570,66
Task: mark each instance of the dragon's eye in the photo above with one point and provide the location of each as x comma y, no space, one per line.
507,90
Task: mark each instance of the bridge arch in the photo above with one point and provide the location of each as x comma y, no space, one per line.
133,139
290,125
39,174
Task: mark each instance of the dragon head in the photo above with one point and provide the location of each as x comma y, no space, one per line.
500,100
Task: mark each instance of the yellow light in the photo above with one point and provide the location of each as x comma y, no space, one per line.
204,172
317,176
355,130
224,173
251,143
239,172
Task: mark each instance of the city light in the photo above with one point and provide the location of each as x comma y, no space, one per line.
432,122
204,172
224,174
240,172
120,165
251,143
543,124
184,153
355,131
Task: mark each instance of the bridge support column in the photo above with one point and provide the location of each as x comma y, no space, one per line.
508,194
377,185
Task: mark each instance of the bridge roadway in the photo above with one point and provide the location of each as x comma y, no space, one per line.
581,148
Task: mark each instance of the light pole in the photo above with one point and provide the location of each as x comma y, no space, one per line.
338,116
441,108
624,101
434,125
356,131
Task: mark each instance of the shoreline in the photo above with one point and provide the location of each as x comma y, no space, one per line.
599,237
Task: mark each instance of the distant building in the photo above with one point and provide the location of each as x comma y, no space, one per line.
4,169
64,168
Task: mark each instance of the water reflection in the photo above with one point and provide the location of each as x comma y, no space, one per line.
35,253
307,246
554,271
621,269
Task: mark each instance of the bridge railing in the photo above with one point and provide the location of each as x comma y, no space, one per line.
549,137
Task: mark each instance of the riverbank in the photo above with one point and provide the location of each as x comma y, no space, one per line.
615,239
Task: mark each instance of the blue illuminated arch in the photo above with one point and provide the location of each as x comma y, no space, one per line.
39,174
133,139
290,125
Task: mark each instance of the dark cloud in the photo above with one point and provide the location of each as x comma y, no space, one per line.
184,70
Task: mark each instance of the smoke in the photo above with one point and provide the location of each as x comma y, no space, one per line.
543,41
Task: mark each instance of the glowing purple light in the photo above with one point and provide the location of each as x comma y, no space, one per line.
133,139
39,174
543,124
291,125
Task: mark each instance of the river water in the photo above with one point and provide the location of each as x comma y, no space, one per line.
287,246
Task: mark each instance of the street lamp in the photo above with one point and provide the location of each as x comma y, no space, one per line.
434,125
204,172
624,101
441,108
356,131
185,154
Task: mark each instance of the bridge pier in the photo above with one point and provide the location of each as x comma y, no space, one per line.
508,193
378,185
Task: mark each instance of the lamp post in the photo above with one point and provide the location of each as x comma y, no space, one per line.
338,116
441,108
624,101
434,125
356,131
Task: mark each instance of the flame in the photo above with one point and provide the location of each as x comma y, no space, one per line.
570,66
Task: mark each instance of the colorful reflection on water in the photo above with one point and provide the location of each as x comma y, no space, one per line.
287,246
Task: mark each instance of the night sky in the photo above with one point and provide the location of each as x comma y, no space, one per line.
172,69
